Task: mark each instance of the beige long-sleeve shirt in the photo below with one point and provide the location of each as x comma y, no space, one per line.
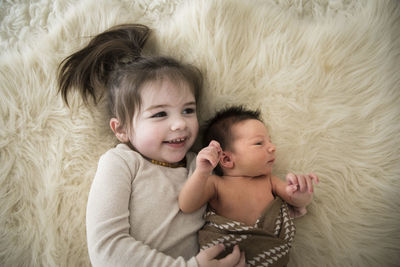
133,218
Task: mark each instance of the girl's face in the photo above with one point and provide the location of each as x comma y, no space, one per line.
166,125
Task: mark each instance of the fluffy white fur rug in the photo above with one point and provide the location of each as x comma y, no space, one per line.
326,75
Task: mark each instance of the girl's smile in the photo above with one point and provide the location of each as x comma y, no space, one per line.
179,142
166,125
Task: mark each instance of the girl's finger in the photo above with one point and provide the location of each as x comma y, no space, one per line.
242,261
214,251
232,259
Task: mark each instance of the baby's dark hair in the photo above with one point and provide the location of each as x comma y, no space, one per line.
112,63
219,127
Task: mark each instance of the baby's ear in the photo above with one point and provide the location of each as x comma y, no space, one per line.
226,160
119,131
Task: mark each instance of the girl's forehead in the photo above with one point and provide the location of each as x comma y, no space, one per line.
165,90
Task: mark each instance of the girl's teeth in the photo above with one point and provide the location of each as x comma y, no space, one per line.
177,140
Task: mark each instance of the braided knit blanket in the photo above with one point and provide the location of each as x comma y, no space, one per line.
267,243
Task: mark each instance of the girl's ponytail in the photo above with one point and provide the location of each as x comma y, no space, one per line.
88,70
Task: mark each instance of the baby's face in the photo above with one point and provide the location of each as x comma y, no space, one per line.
253,152
166,126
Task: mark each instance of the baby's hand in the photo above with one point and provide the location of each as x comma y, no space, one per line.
208,157
301,183
300,188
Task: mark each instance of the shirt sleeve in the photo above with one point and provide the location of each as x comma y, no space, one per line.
107,221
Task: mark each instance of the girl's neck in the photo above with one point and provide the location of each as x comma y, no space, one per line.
181,163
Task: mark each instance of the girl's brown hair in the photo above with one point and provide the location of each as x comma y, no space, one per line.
112,64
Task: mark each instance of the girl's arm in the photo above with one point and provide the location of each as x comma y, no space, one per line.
201,186
110,242
109,238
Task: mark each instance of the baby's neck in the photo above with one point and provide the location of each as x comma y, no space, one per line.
244,177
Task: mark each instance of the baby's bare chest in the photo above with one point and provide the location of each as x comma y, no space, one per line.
243,200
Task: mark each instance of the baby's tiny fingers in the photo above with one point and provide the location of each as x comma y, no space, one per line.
291,178
314,177
215,144
294,188
302,183
310,185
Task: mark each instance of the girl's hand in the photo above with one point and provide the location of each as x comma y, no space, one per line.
300,188
208,157
206,258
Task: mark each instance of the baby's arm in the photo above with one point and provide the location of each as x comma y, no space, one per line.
297,191
200,187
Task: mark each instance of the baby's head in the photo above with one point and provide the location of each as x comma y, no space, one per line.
244,140
219,127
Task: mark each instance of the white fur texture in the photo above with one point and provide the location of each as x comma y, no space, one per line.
325,74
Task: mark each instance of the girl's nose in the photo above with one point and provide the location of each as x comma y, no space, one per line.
178,123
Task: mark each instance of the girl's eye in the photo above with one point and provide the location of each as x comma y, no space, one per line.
189,111
159,114
259,143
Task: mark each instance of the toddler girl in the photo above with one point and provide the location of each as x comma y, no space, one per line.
133,218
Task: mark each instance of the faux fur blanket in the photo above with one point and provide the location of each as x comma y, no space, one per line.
325,75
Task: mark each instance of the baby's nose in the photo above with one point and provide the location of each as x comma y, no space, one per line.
271,148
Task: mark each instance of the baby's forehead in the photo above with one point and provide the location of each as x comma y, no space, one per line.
249,123
249,127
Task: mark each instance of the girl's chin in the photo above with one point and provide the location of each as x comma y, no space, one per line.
174,158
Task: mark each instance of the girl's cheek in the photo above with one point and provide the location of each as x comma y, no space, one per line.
195,125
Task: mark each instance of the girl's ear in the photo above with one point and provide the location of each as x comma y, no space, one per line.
226,160
119,132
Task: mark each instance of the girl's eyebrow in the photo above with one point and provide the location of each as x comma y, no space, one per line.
156,106
191,103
